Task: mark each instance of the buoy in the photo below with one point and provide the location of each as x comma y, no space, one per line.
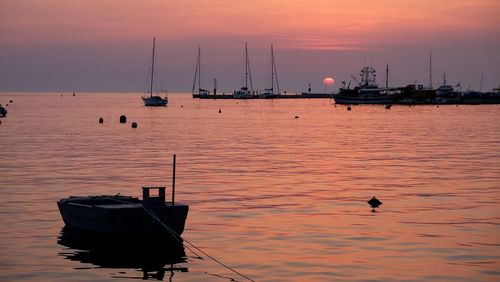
348,108
296,117
134,124
388,106
101,120
182,106
220,111
123,119
11,101
374,202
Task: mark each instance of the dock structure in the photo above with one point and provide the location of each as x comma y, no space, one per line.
305,95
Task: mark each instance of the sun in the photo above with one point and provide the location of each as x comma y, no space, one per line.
327,81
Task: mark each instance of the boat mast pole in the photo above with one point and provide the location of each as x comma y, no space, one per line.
246,66
173,183
430,69
196,70
275,71
272,70
199,69
387,76
152,69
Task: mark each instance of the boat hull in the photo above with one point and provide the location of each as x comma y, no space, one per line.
155,101
122,219
363,100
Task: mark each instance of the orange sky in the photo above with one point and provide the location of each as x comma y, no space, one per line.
300,25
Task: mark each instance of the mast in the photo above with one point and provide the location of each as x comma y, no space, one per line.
481,84
246,66
275,71
152,69
387,76
430,69
196,70
199,69
272,69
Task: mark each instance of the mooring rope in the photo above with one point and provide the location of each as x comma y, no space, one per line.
177,236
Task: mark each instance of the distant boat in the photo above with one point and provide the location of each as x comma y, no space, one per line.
197,77
3,112
154,100
125,217
243,92
367,92
268,93
445,93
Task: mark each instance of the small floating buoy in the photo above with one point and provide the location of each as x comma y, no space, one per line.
134,124
182,106
101,120
374,202
348,108
61,95
296,117
388,106
123,119
6,105
220,111
11,101
73,93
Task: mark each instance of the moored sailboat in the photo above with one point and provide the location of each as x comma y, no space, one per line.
154,100
268,93
197,77
244,92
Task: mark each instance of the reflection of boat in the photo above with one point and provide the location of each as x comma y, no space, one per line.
197,76
3,111
367,92
154,100
153,258
268,93
244,92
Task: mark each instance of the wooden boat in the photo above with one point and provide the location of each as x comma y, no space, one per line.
154,100
126,217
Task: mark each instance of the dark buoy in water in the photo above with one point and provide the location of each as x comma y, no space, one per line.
123,119
374,203
73,93
101,120
11,101
388,106
182,106
349,108
220,111
296,117
134,124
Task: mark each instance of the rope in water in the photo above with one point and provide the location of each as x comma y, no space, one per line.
177,236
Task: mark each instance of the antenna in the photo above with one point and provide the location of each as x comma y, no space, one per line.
481,84
387,76
430,68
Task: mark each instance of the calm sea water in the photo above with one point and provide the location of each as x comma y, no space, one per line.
276,197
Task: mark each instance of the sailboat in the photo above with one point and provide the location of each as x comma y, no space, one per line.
268,93
244,93
197,75
153,100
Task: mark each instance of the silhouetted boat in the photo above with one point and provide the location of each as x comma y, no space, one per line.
154,100
197,77
125,217
3,112
244,92
367,92
268,93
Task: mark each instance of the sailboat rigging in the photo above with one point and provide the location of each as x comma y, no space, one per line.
268,93
197,76
153,100
244,93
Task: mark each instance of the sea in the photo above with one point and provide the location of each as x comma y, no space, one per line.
277,189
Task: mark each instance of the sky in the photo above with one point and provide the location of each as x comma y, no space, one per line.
105,45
